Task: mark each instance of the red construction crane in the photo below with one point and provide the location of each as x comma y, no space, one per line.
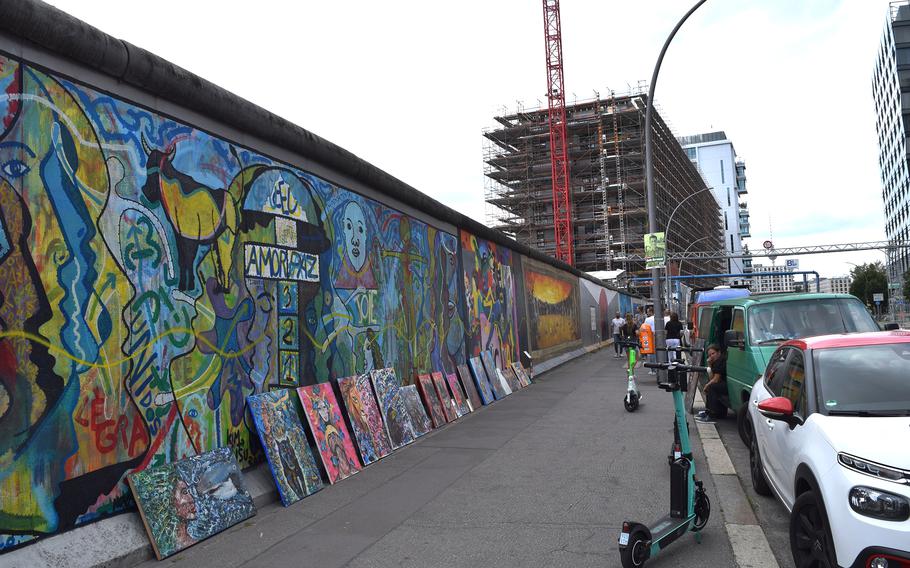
559,158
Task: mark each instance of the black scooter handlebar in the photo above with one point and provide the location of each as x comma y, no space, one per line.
683,349
677,367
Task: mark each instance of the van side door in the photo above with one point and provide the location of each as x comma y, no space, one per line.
740,374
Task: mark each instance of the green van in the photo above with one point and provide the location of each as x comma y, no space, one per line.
751,329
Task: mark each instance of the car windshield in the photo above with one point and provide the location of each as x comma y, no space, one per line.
865,380
775,322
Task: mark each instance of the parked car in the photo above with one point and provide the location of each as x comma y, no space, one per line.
751,329
831,420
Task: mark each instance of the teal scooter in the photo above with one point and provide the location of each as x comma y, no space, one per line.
689,504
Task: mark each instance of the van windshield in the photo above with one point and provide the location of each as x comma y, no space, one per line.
779,321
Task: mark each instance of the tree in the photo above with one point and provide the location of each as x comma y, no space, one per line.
869,279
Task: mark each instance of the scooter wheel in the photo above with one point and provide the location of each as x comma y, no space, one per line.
630,402
702,510
636,552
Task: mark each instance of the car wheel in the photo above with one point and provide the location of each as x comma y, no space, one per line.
744,424
810,534
756,470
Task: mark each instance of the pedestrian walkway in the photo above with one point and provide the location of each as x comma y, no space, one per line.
543,478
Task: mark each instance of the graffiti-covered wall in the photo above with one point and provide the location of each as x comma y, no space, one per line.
551,297
152,276
490,295
597,307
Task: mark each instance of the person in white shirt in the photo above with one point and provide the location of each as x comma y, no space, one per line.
617,323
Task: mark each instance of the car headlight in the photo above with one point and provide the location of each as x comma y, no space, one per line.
879,504
874,469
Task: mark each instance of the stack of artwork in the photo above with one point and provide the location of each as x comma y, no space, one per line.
443,391
194,498
397,419
470,388
431,400
481,381
462,405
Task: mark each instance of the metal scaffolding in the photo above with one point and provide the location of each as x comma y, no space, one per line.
605,139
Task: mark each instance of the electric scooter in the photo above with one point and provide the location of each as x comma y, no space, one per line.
633,395
689,503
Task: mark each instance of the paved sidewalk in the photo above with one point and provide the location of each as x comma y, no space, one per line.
543,478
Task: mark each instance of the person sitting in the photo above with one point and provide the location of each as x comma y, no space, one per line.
716,387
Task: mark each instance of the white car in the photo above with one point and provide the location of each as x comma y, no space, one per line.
831,417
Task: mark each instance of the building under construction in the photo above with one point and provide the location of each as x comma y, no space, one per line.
606,147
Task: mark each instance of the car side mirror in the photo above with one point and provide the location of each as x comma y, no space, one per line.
779,408
733,338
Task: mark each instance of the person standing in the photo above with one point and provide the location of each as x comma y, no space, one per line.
629,331
673,329
617,323
649,321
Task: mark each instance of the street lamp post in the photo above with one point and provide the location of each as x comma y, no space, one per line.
667,236
659,338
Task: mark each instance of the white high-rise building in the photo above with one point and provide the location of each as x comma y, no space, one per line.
891,94
768,279
837,285
716,158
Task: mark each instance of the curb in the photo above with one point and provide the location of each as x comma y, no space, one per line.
747,538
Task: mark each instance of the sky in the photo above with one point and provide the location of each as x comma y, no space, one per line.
410,85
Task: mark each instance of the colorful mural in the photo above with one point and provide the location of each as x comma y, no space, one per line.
552,305
366,420
490,298
333,441
190,500
153,276
286,448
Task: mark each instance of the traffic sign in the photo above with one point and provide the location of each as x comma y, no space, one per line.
878,298
768,245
